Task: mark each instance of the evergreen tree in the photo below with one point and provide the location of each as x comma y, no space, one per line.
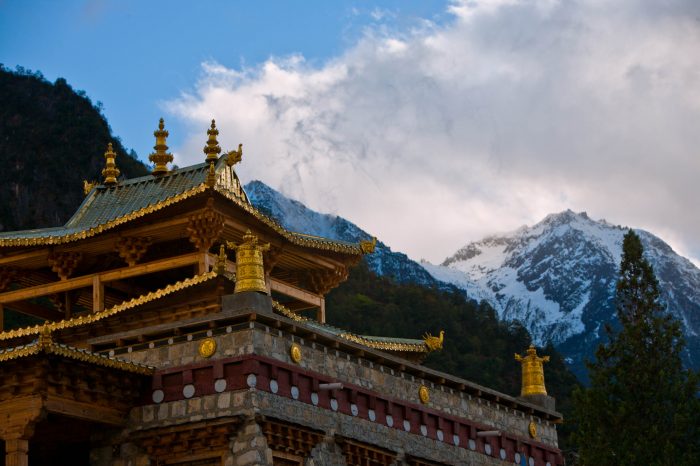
642,405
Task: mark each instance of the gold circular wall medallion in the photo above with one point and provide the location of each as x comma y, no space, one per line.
207,348
424,394
295,353
532,429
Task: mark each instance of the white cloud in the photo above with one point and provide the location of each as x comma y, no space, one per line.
433,137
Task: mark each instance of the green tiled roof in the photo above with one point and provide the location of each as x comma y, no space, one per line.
107,204
106,207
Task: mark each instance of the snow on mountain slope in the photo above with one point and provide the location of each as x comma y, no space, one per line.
295,216
558,278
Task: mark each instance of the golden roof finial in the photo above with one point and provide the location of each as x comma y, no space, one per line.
110,172
533,372
212,149
434,343
250,272
160,157
234,156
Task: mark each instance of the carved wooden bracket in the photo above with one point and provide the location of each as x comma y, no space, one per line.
64,263
270,258
324,281
205,227
7,276
64,301
132,249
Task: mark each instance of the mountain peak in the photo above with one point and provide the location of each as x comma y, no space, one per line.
558,279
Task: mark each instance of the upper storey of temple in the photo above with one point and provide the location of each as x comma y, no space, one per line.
137,240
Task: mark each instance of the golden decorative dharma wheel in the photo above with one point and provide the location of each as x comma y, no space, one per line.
424,394
207,348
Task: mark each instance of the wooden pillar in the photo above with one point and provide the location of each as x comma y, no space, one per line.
68,304
2,318
321,314
204,262
98,294
16,452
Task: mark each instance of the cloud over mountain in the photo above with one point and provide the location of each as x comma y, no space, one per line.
511,109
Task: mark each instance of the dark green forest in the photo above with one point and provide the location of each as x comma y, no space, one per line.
52,137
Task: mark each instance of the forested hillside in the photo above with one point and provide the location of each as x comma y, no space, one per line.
51,139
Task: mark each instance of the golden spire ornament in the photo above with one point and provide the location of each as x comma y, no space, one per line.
160,157
212,149
110,172
533,372
250,273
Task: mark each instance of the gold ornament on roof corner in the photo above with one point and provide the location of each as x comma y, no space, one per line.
212,149
367,246
533,372
234,156
434,343
207,348
295,352
250,272
160,157
424,394
87,186
110,172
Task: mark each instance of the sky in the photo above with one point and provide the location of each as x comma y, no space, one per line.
429,124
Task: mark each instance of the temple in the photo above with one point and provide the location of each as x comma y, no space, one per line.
175,324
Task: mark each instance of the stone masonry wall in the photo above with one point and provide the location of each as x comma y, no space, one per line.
343,367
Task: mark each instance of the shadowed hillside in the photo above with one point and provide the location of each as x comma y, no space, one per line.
51,139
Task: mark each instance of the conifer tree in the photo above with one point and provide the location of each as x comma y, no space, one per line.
641,406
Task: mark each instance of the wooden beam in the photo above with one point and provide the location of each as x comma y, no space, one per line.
87,411
2,318
12,258
31,309
294,292
87,280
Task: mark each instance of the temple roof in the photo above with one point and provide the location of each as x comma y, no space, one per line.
382,343
44,344
107,207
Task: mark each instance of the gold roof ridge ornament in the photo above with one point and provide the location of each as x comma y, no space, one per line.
160,157
110,172
368,245
212,149
533,372
234,156
87,186
250,271
434,343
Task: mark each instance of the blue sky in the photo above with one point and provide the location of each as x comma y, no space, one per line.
132,55
429,124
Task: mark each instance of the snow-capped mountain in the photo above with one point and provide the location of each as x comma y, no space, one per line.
558,278
295,216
